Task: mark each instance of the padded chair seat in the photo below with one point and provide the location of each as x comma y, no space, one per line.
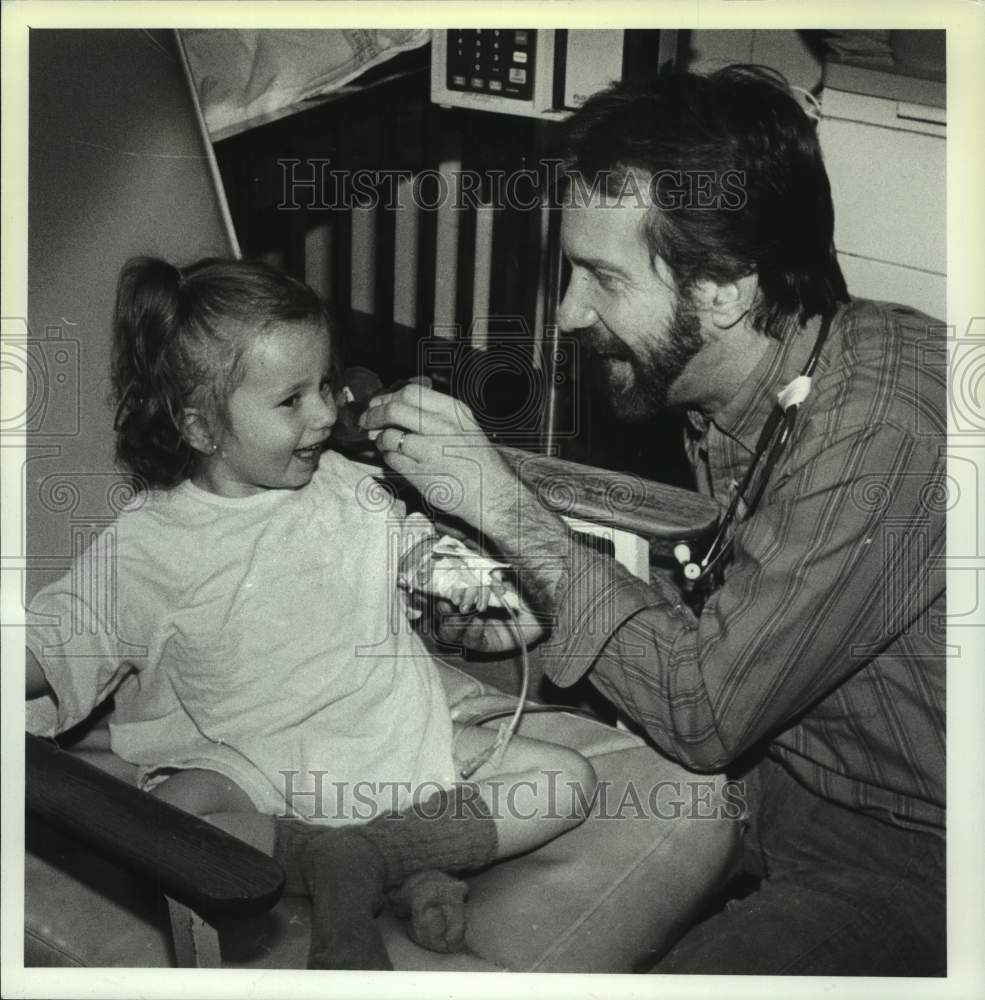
610,896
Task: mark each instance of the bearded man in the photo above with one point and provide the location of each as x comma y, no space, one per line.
803,652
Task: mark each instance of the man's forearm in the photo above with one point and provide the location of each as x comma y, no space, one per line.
536,542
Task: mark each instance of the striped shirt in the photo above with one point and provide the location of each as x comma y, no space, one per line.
826,639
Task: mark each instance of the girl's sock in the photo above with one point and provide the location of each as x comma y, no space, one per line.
343,875
347,870
450,831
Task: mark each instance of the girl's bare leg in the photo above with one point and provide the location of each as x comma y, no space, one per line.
538,791
219,801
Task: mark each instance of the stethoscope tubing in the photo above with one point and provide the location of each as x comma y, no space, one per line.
773,439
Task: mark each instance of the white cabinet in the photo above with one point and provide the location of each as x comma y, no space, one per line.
886,160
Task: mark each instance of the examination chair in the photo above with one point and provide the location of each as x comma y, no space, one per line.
117,878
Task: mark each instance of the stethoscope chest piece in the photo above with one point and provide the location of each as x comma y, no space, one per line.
682,553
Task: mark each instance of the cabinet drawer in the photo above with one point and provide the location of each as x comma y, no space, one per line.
889,188
872,279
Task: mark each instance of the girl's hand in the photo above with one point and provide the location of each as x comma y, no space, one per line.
492,630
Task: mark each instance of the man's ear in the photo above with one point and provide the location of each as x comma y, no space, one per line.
727,303
197,431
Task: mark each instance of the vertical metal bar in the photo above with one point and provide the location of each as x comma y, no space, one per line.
550,342
108,594
196,943
362,270
341,221
294,223
431,126
542,293
405,262
387,150
318,259
482,278
446,243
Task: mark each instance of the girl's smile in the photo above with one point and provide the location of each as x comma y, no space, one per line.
278,418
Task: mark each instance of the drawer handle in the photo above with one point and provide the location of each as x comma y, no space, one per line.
921,113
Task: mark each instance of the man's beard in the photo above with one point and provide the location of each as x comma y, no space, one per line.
654,372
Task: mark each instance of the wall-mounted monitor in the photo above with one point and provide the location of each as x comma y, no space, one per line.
539,73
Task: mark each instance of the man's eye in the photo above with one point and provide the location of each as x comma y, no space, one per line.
292,400
606,281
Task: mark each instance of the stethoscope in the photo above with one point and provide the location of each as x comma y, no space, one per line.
773,439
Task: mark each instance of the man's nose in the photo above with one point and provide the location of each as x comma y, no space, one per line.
576,311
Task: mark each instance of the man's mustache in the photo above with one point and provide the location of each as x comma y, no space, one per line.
603,344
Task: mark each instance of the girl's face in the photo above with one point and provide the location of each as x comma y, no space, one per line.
278,417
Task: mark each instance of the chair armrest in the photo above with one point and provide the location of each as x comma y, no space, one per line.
665,514
195,863
621,500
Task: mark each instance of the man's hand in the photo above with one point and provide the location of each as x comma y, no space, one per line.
458,602
434,442
491,631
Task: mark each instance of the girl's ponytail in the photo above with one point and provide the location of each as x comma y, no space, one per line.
180,337
147,376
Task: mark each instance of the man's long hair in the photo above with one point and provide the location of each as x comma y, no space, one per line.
735,171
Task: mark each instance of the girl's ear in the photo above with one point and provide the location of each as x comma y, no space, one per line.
196,430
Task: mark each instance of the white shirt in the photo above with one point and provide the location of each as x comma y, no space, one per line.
261,637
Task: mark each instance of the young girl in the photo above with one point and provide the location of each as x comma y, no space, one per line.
264,676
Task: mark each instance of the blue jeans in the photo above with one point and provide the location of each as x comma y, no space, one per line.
841,894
